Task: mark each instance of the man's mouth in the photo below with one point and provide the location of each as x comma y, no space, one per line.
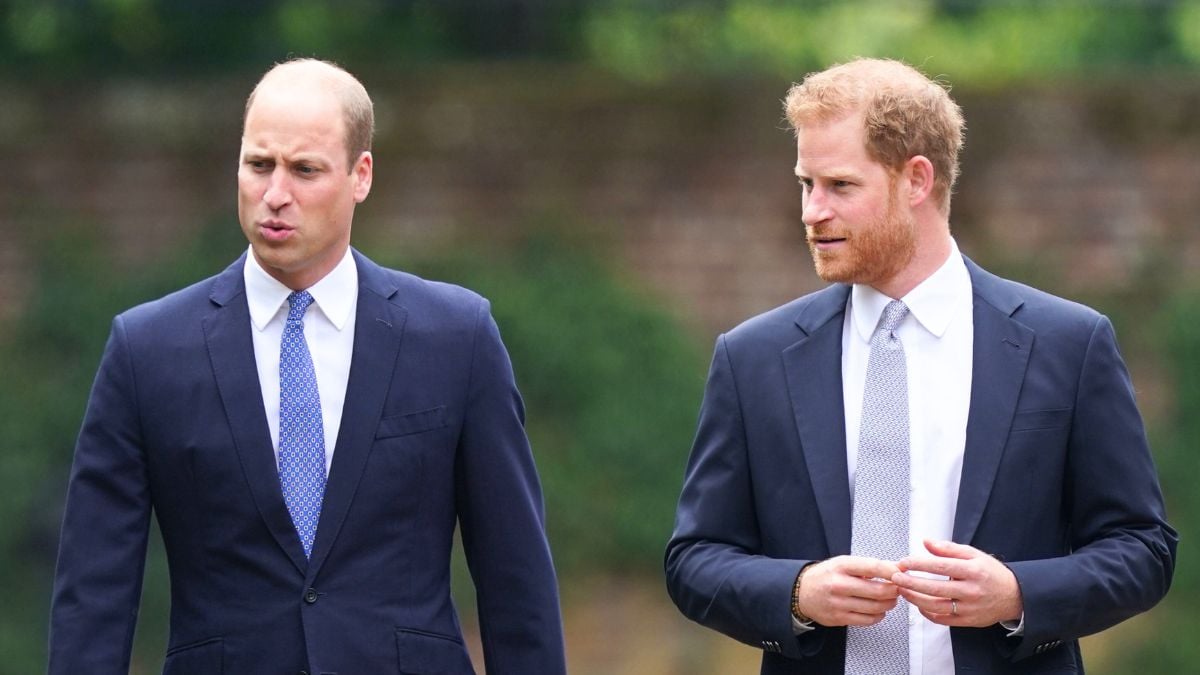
275,230
824,241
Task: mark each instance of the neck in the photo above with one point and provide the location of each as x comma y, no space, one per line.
931,253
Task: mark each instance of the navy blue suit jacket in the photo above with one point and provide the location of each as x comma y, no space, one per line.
432,434
1057,481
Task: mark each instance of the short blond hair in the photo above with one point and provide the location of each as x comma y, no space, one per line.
904,114
357,109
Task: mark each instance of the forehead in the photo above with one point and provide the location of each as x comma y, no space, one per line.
831,146
295,115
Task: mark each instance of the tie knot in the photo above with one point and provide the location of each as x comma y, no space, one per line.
298,303
893,314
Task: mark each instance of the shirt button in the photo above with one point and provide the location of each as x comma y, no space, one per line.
310,596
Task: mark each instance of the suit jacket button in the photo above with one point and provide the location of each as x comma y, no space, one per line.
310,596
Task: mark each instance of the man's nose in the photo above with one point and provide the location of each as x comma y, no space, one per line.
816,207
278,194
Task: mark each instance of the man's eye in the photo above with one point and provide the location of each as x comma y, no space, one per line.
305,169
259,164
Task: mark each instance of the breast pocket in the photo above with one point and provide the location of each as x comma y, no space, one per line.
1038,420
407,424
1033,466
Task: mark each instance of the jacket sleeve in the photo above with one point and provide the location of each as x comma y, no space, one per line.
502,521
714,572
102,550
1122,550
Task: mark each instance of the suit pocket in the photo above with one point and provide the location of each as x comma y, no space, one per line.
1033,420
412,423
196,658
420,653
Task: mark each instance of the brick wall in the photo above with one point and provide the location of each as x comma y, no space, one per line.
689,185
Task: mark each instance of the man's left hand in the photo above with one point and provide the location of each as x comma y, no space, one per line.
979,591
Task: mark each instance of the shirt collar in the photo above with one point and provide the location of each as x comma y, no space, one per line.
934,302
335,294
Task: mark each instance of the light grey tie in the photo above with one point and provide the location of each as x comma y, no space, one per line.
881,486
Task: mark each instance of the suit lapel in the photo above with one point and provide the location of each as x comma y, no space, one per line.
813,367
231,352
1000,356
378,329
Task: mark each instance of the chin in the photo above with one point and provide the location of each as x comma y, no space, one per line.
834,273
270,259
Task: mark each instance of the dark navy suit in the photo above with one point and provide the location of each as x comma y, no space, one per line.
432,434
1057,481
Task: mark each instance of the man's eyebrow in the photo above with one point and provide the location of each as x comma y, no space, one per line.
836,174
306,158
254,154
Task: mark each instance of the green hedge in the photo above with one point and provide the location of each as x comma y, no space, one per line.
612,385
1170,646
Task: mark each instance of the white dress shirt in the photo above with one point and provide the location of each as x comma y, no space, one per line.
937,334
328,329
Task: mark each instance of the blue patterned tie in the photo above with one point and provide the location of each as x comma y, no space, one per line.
881,486
301,431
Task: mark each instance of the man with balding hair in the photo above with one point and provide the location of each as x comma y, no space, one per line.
308,429
923,468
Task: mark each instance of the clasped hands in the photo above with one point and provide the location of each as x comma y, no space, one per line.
977,590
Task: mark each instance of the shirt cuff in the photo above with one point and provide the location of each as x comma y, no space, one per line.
1015,629
799,627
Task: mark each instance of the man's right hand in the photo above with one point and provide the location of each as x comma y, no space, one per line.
847,591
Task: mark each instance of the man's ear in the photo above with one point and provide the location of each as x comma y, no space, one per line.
363,173
918,175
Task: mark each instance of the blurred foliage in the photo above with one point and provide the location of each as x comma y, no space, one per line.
1169,649
77,38
611,385
981,41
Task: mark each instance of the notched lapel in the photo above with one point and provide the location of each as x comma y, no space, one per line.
1000,356
378,330
231,352
813,367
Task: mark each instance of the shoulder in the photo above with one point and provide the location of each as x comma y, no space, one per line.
425,300
1039,310
186,305
791,322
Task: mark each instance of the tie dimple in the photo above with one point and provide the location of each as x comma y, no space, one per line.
881,494
301,430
